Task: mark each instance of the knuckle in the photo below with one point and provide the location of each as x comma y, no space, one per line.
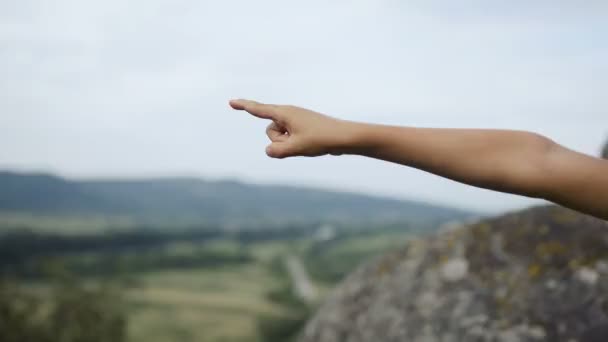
270,109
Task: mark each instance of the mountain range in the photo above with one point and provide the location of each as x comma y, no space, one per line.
192,200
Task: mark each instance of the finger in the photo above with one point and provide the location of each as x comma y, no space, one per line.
276,132
279,150
260,110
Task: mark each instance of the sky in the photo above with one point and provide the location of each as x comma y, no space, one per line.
119,88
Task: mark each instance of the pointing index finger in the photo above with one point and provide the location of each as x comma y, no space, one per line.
260,110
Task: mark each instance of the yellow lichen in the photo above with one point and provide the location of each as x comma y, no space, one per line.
565,216
575,264
550,248
534,270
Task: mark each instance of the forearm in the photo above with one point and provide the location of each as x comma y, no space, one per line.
508,161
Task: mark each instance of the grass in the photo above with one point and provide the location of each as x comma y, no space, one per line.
208,305
370,244
226,303
67,225
329,263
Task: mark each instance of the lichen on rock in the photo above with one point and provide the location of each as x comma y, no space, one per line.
536,275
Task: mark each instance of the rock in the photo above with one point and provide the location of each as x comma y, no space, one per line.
536,275
605,151
552,284
455,269
587,275
596,333
509,336
537,333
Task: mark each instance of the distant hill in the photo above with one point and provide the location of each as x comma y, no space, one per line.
195,200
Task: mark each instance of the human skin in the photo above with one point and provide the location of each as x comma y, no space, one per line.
517,162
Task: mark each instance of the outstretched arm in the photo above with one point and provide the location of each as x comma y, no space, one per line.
516,162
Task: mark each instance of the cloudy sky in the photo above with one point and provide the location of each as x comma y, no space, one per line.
119,88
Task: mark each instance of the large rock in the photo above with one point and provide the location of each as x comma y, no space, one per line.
536,275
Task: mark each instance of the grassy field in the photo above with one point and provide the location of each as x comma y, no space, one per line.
224,304
217,305
247,300
220,304
329,262
93,224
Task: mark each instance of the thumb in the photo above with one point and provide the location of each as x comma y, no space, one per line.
279,150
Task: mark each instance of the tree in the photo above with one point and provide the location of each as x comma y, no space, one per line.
69,312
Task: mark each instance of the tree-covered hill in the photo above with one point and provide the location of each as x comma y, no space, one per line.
196,200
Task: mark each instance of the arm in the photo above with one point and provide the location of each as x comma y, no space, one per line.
515,162
508,161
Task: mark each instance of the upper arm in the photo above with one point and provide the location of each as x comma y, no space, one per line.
576,180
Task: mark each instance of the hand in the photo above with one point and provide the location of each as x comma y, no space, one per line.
297,131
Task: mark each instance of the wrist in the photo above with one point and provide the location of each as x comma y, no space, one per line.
352,138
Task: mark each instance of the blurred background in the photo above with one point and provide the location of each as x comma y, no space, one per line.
136,206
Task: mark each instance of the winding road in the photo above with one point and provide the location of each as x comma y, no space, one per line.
302,286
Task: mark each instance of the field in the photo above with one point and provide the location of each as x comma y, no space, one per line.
200,305
225,304
174,295
219,304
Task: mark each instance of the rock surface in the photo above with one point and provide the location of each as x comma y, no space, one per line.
536,275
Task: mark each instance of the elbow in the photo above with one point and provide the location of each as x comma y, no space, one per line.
541,178
531,170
